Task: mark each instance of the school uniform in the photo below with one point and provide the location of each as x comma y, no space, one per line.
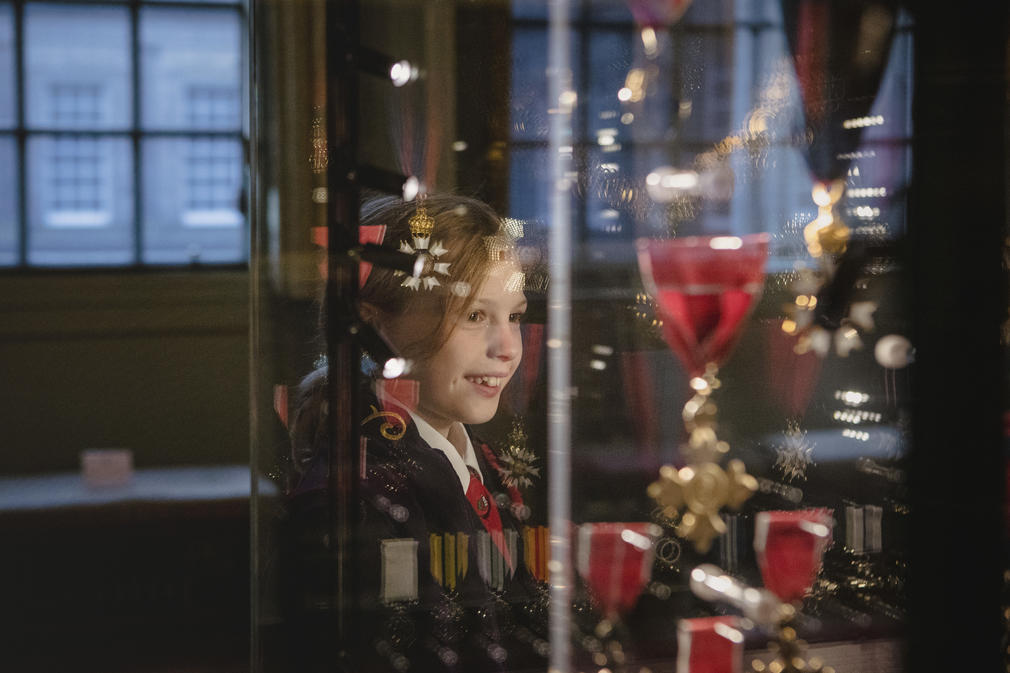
436,550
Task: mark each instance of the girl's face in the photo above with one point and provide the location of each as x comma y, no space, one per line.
463,381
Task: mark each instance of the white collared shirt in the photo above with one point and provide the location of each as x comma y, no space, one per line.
439,442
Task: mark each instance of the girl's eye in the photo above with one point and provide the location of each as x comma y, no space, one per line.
475,316
516,317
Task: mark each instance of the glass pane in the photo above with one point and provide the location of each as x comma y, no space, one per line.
192,196
707,86
9,201
606,11
209,2
530,9
646,330
716,14
891,116
77,63
529,170
80,201
772,102
610,58
612,208
190,66
529,108
773,194
699,265
878,179
8,83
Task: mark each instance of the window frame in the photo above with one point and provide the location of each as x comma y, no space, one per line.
135,134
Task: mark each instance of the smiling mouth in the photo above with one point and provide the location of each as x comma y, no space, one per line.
490,381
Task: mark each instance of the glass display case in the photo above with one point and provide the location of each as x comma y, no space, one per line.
702,302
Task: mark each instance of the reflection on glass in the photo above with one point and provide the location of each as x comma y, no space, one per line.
715,14
707,69
445,549
529,99
606,10
528,185
190,69
609,60
191,197
529,117
717,154
77,66
80,200
9,201
894,102
613,201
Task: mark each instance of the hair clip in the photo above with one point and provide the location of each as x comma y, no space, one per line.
422,225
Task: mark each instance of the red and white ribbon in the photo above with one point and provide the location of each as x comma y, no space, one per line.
790,547
709,645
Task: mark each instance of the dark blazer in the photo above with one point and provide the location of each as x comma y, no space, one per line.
482,621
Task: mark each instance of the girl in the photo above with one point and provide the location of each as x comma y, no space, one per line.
438,548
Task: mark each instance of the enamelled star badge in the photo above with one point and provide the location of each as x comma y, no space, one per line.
422,225
517,462
792,455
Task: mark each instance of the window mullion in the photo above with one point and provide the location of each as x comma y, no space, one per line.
136,136
581,123
22,139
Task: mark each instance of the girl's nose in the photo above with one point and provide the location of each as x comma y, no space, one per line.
506,342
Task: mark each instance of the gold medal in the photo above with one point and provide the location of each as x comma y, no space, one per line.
703,489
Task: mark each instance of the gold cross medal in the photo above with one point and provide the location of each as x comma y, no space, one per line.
702,488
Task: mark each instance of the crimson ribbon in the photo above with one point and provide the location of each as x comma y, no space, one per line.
790,546
639,394
615,560
704,288
395,394
281,403
840,49
368,234
791,376
709,645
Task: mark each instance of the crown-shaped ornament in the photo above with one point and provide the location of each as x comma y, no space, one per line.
421,226
421,223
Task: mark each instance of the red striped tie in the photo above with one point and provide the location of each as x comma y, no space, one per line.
483,504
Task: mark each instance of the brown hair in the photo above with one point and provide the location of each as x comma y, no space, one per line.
463,227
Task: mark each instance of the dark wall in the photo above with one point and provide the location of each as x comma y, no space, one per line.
156,362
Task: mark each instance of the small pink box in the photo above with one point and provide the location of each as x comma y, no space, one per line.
103,468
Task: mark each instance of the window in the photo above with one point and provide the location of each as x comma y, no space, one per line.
76,185
212,177
212,183
75,104
666,99
121,133
212,107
